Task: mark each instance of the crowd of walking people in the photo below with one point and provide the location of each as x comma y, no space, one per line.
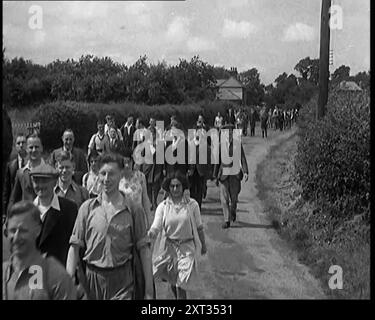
95,224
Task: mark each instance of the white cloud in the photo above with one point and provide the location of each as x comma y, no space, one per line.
135,8
178,29
200,44
242,29
237,3
87,10
299,32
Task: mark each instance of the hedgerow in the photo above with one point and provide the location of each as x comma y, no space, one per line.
333,160
81,117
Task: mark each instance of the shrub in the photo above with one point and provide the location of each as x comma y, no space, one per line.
333,158
56,117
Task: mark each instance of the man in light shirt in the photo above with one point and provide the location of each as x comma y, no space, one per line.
99,141
22,230
23,189
57,214
112,123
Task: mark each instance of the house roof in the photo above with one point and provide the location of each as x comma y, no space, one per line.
228,94
349,86
229,83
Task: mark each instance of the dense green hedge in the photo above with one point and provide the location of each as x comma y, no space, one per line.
81,117
333,159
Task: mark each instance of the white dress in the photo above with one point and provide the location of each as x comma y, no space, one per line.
176,248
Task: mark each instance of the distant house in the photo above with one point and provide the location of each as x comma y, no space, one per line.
231,90
348,86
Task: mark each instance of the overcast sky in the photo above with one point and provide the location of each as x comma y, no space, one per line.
271,35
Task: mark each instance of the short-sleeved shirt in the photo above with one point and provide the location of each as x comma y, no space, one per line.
54,283
108,241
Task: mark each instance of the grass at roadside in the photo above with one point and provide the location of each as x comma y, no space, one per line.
295,218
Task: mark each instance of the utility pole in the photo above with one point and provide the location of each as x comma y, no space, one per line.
324,58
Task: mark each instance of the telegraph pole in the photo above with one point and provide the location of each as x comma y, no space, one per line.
324,58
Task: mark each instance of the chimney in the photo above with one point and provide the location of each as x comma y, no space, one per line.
233,72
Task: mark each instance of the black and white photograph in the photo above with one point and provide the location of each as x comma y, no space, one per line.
186,150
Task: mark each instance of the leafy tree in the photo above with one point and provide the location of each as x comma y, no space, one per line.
308,69
340,74
254,90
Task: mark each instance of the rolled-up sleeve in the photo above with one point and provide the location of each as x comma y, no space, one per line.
79,230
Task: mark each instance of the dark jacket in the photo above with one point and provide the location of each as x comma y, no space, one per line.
218,168
203,170
57,228
128,137
23,188
9,181
79,159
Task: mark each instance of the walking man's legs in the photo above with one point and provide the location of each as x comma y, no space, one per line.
234,190
225,199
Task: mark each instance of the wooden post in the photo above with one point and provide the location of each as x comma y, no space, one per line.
324,59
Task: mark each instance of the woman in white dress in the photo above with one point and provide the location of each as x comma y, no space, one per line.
178,230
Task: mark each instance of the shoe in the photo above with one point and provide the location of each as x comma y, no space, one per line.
234,216
226,225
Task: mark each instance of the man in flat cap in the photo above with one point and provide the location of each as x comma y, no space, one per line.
57,214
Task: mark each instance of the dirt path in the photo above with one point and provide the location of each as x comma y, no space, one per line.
249,260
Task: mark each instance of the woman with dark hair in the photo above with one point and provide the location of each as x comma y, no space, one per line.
90,180
133,185
179,235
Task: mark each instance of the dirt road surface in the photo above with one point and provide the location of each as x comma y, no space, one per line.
248,260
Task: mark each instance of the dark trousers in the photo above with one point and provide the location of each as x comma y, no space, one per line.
252,131
153,192
197,183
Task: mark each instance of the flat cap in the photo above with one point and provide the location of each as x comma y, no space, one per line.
44,171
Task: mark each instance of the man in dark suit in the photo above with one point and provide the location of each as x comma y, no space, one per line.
78,156
199,172
17,163
23,189
230,172
7,143
175,142
58,214
127,131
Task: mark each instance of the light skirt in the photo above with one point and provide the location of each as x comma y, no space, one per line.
177,265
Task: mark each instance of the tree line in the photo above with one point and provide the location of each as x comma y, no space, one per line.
102,80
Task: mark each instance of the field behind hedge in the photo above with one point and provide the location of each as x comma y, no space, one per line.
81,117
